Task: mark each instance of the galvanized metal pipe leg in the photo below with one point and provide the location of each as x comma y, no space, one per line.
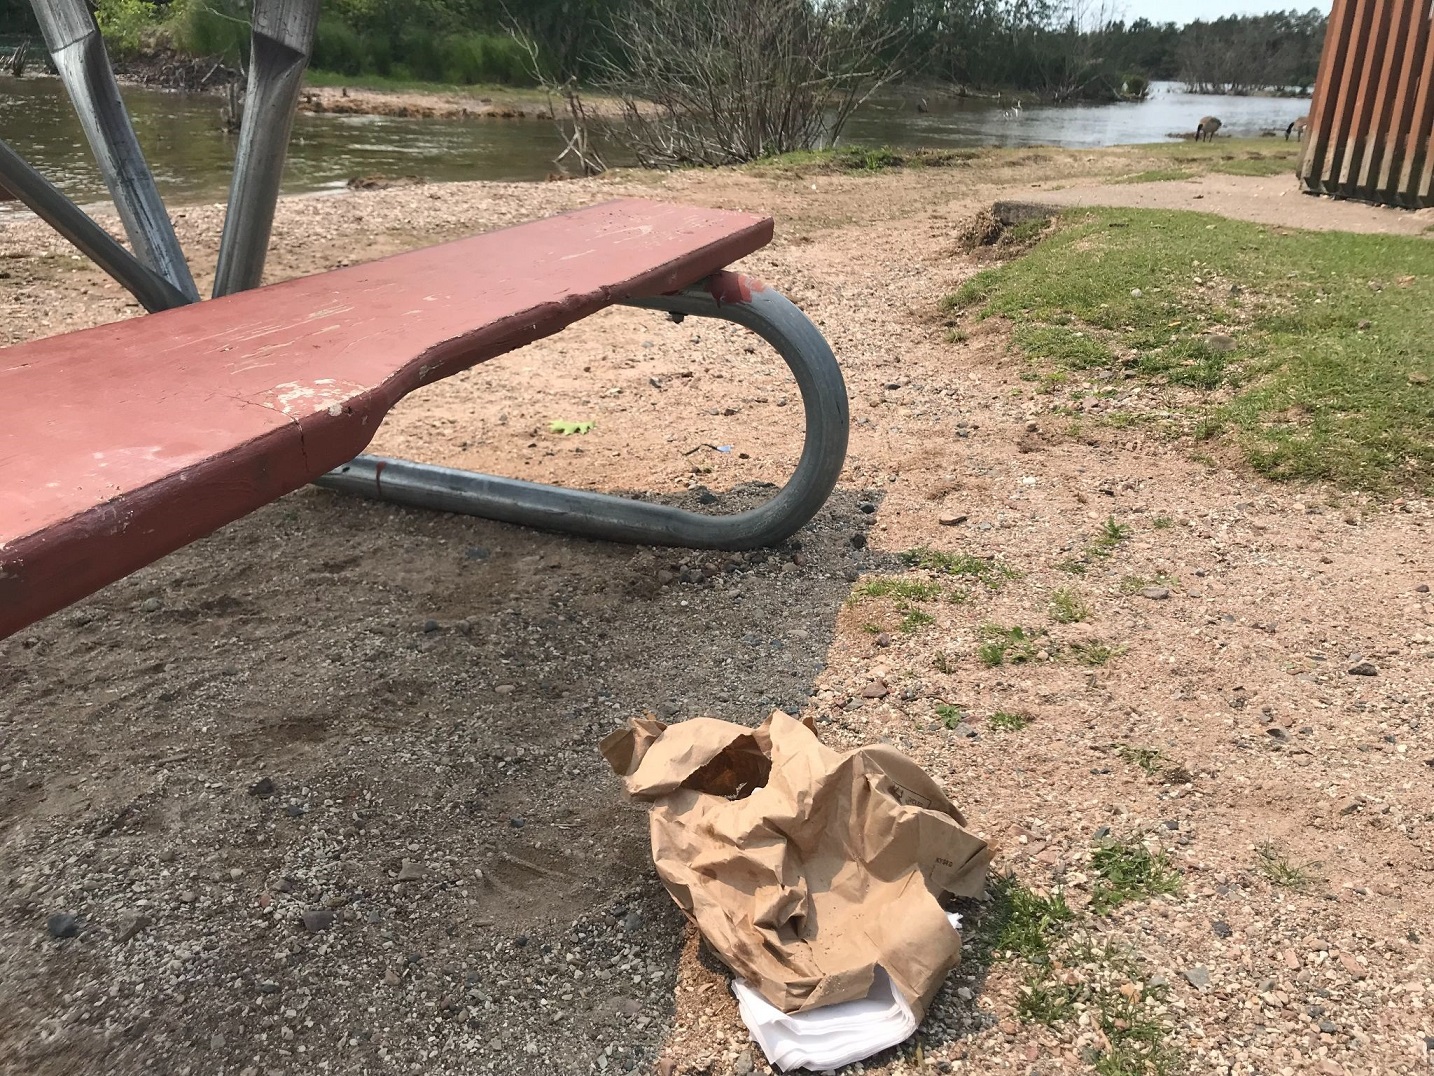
51,205
282,38
79,53
598,515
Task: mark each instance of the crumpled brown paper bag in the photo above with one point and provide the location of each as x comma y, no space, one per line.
803,868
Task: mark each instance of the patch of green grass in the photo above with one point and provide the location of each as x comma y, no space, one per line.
1006,721
1279,869
950,716
1127,870
1044,999
908,590
1156,175
1094,652
1107,539
1063,346
1162,523
1013,645
1257,165
1302,394
1110,535
1068,607
858,159
1026,232
1153,762
1138,1036
904,595
1134,584
915,618
1019,921
990,572
1148,759
1071,976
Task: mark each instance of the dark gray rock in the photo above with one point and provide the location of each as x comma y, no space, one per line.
63,925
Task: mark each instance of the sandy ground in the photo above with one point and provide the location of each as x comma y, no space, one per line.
285,719
502,104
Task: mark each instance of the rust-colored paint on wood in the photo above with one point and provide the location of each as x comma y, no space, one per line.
122,443
1372,117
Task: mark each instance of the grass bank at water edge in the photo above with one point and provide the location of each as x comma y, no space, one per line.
1309,352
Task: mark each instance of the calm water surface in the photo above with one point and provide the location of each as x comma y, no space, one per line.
969,122
191,155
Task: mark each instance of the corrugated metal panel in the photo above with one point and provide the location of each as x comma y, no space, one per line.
1372,117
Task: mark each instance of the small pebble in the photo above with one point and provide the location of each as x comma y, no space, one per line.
262,788
63,925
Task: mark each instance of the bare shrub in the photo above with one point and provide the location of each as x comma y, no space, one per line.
17,59
575,121
722,83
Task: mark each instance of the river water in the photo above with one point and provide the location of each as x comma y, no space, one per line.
191,155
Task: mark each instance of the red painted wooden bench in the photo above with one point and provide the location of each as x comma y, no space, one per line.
122,443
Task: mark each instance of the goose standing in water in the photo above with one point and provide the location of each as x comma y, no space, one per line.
1012,113
1206,128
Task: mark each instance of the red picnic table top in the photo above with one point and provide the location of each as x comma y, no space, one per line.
122,443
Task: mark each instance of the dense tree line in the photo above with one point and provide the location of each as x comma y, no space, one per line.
1075,48
1059,49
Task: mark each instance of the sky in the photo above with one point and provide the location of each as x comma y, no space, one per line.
1183,11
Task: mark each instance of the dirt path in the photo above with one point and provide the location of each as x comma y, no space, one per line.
302,712
1266,200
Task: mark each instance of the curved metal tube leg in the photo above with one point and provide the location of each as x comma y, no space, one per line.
599,515
79,54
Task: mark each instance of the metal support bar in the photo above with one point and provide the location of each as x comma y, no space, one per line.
599,515
50,204
79,53
282,39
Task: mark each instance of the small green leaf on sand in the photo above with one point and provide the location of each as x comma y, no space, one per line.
566,428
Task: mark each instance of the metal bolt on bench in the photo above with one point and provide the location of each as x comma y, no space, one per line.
57,508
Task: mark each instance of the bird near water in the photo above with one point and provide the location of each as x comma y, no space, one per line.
1206,128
